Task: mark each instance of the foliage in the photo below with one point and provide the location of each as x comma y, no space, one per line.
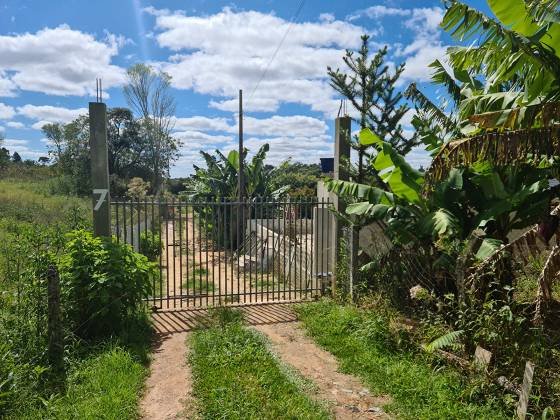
299,179
236,377
449,339
220,177
370,88
148,94
103,283
151,245
366,346
506,80
137,188
32,228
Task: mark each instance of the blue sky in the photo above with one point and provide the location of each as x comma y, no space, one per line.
51,53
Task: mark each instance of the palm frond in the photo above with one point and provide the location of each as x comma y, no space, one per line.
540,115
441,76
500,148
451,339
359,191
431,110
464,23
544,11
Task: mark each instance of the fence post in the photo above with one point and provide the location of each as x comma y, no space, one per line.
99,169
54,325
343,126
353,243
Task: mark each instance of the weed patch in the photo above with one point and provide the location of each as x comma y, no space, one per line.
362,342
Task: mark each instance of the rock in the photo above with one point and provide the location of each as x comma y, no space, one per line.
377,410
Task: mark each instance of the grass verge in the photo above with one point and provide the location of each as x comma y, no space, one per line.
236,377
359,339
105,380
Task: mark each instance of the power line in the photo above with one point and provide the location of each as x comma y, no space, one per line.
292,20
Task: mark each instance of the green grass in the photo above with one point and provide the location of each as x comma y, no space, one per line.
30,201
358,339
236,377
198,283
105,379
104,386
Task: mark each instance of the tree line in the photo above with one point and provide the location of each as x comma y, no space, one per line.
140,143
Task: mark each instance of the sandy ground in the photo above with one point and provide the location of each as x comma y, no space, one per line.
169,386
345,394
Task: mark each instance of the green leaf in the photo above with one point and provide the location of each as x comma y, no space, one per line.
447,340
233,159
359,191
365,208
488,247
513,14
368,137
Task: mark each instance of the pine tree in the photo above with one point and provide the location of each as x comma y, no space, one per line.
370,87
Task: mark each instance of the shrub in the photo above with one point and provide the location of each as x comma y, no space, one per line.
103,283
150,245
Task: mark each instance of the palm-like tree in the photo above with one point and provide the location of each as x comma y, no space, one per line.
504,87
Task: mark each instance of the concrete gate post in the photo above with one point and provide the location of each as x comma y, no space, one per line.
342,135
99,169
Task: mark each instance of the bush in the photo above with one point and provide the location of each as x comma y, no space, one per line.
103,283
150,245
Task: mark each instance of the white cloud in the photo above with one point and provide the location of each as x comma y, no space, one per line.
292,126
379,11
300,137
195,138
221,53
425,20
200,123
301,149
426,46
23,149
15,124
6,112
58,61
45,114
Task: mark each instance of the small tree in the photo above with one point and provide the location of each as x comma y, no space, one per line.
16,158
138,188
370,87
148,94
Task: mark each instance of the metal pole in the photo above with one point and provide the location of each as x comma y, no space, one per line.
240,179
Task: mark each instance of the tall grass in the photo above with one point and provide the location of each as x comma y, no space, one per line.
362,343
104,377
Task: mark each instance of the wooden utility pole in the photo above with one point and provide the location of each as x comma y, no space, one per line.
240,178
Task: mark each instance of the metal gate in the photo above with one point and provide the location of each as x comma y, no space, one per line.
228,252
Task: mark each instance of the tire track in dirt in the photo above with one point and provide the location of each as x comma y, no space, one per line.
168,392
345,394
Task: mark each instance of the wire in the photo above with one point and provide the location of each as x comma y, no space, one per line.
292,20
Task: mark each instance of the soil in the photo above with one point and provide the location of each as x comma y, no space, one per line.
169,386
345,394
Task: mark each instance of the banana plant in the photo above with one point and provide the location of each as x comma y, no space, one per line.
482,197
220,177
